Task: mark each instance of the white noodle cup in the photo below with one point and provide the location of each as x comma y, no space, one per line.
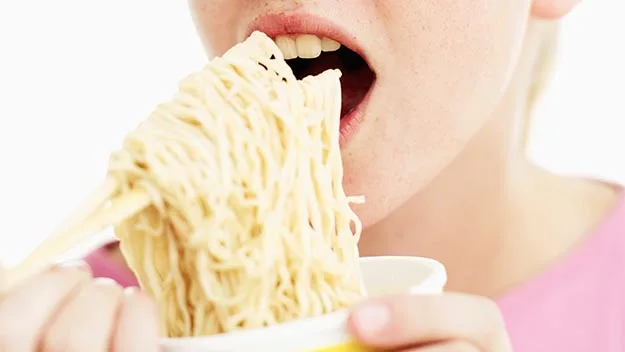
328,333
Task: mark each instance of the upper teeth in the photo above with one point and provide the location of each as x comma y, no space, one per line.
305,46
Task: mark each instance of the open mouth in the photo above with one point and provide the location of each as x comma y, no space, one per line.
308,54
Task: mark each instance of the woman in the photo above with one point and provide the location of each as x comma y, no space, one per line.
436,147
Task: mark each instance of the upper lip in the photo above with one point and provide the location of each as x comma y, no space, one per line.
275,24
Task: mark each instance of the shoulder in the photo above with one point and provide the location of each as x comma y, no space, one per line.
585,293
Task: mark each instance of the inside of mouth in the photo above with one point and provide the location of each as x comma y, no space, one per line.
356,80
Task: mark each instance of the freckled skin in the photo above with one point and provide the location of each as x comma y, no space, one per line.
442,68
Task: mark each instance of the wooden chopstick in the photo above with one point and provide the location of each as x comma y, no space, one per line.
76,230
88,207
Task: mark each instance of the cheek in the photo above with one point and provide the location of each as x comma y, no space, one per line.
459,56
447,68
216,22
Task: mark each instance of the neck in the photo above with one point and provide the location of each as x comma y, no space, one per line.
484,216
460,217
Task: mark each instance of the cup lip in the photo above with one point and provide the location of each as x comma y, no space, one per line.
300,327
331,322
432,283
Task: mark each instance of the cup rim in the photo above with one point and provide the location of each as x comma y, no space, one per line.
436,279
294,328
323,324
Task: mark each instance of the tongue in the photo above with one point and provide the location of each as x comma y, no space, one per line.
354,80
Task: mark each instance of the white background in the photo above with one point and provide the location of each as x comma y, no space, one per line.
75,75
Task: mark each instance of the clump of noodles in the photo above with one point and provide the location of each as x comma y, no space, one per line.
250,225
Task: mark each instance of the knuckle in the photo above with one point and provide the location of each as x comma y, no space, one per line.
18,328
74,330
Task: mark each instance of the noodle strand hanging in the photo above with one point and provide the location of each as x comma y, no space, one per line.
249,225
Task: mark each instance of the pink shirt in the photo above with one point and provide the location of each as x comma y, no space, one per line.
578,305
102,266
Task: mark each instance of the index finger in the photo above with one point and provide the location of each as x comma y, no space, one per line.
26,309
412,320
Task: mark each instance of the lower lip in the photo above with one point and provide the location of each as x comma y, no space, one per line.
350,123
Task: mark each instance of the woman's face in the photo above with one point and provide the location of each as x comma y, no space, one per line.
441,68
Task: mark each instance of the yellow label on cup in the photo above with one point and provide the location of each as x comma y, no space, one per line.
347,347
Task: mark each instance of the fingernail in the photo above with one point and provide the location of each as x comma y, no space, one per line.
131,291
371,318
74,264
105,281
